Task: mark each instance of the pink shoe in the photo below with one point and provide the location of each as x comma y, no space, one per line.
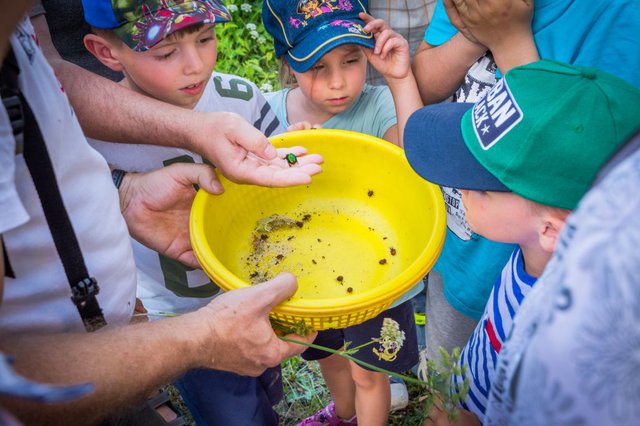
328,417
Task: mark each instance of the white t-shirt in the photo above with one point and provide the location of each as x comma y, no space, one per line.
38,298
165,285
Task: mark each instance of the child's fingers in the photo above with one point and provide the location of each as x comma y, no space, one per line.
376,26
393,44
365,17
382,41
373,25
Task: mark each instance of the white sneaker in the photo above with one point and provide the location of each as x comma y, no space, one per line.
399,394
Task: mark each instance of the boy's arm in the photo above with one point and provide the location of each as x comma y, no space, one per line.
109,111
440,70
391,58
503,26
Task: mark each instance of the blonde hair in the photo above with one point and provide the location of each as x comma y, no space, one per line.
285,75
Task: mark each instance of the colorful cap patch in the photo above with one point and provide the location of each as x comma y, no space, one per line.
143,24
305,30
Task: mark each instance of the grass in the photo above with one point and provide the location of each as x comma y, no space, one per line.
304,391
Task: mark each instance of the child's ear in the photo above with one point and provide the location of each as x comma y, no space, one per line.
550,229
103,50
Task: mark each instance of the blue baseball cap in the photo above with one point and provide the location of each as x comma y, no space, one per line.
141,24
305,30
542,132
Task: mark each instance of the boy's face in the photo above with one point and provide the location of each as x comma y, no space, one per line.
500,216
176,70
335,82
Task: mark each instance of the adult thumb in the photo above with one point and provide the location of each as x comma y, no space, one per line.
277,290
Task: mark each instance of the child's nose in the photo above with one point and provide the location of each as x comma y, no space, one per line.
336,79
193,63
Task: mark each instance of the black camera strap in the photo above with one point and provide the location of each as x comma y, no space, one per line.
84,288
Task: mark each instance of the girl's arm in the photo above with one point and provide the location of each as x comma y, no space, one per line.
391,58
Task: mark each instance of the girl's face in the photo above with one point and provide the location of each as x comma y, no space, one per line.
335,82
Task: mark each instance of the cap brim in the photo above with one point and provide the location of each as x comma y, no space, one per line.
436,150
325,38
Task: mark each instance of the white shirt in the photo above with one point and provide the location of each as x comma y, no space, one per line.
38,298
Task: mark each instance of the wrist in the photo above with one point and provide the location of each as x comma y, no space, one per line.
203,338
507,58
124,188
117,175
407,79
192,126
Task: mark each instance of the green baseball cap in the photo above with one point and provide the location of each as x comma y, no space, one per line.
141,24
543,132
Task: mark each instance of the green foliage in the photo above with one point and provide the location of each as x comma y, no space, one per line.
438,383
244,46
281,329
304,391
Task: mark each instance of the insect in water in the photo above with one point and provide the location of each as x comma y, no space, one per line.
291,159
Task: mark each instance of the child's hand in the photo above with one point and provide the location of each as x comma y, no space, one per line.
390,56
496,24
439,417
302,125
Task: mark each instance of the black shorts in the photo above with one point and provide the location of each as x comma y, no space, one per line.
383,353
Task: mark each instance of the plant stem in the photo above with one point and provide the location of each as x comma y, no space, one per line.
363,363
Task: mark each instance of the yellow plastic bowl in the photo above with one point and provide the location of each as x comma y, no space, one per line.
370,229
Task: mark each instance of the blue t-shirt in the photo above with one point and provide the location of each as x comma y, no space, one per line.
597,33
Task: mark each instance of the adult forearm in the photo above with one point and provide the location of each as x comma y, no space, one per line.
109,111
115,113
440,70
126,364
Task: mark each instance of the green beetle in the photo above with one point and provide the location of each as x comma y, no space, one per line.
291,159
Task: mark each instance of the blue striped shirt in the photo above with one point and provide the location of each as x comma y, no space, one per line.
481,352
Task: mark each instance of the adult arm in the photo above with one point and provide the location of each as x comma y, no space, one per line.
109,111
440,70
503,26
126,364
